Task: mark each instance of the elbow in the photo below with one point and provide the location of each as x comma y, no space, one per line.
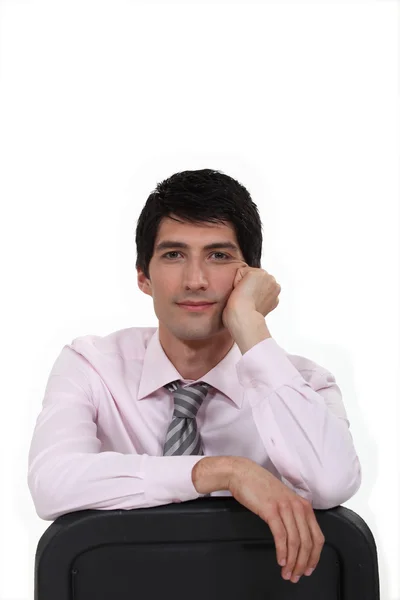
38,497
338,491
44,499
46,509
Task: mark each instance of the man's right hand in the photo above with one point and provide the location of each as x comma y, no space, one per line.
298,537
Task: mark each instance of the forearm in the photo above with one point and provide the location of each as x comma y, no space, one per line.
214,473
248,330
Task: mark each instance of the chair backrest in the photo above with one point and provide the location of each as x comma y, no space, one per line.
211,548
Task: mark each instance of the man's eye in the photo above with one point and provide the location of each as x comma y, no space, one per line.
175,252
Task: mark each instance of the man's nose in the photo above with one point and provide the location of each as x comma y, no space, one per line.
195,276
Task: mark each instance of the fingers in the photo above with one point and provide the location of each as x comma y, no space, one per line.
306,543
280,537
293,538
305,538
318,540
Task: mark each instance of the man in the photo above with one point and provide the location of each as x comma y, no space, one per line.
208,402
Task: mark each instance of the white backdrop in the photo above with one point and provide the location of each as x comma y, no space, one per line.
299,101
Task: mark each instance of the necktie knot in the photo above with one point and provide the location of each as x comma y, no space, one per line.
187,400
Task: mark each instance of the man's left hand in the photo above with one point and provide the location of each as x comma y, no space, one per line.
254,291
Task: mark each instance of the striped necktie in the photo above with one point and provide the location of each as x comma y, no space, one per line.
182,435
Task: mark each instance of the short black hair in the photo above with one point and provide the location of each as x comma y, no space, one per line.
204,195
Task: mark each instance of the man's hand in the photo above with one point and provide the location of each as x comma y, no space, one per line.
254,291
254,294
298,537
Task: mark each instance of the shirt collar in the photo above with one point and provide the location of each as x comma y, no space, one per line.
158,370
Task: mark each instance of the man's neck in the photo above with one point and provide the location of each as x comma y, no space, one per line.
194,358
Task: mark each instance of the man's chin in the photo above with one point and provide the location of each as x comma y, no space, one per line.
198,331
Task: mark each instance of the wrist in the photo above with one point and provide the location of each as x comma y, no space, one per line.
214,473
237,318
240,466
248,330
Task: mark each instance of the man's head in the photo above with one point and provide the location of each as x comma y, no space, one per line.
195,208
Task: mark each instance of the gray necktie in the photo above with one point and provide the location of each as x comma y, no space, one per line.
182,435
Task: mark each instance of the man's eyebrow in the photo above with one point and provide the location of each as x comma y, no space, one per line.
215,245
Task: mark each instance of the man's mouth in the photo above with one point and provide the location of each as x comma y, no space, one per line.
196,307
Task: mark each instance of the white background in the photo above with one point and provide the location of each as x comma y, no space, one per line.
99,101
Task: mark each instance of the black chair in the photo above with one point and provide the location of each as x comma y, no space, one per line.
211,548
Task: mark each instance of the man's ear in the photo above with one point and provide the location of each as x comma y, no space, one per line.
144,284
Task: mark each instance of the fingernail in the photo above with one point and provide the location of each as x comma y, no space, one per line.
287,575
295,579
282,562
309,571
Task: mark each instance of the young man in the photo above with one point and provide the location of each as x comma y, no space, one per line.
208,402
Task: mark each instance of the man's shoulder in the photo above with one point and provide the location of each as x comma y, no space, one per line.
130,342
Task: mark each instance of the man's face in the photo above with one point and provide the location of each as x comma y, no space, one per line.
193,274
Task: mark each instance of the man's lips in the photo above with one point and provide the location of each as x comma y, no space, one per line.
196,307
195,303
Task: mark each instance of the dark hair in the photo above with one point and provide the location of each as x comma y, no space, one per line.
204,195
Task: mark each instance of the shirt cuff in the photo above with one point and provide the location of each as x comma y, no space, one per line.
266,364
169,478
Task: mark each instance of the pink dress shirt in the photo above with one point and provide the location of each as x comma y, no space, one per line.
98,440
